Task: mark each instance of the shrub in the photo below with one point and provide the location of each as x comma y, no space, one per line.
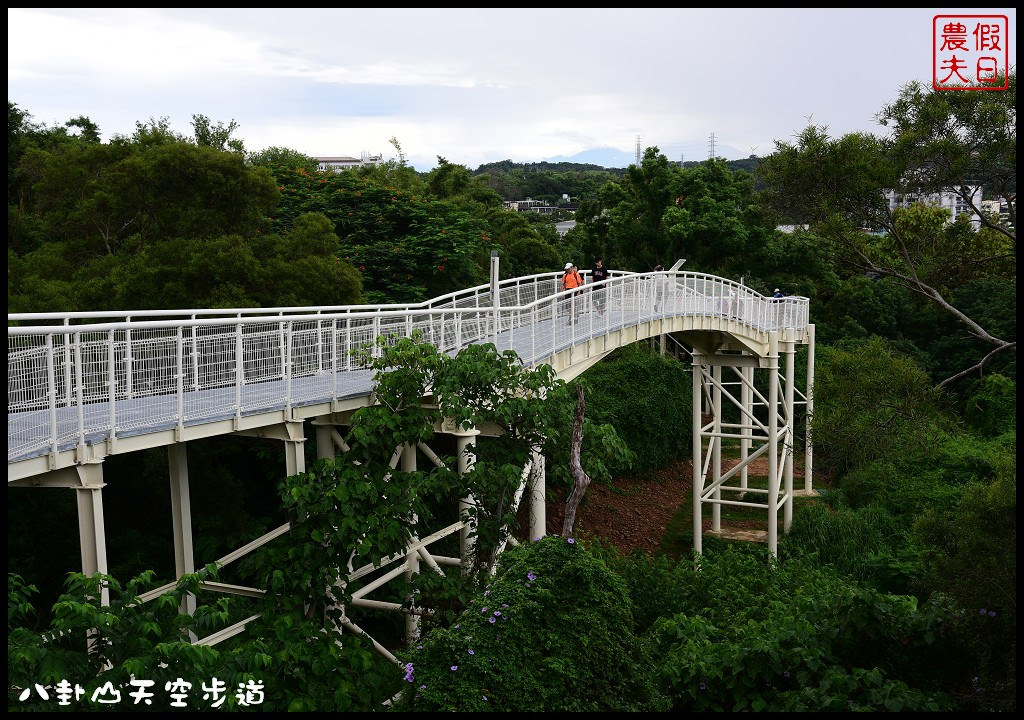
873,405
867,543
748,631
992,408
647,398
552,632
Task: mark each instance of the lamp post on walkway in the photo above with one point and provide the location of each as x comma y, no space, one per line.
495,297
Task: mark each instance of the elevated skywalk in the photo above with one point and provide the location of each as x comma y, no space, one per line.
85,385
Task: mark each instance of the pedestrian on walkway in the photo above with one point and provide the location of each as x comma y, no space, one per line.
572,280
660,283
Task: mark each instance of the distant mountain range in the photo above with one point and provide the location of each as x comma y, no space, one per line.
613,158
607,157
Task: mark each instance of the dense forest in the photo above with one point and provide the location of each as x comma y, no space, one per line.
894,591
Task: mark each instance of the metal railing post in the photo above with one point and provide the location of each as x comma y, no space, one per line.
112,387
195,356
286,368
78,392
67,363
51,398
239,372
181,381
128,360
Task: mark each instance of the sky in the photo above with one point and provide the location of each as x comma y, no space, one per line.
478,85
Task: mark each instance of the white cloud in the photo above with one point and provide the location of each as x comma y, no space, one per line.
474,85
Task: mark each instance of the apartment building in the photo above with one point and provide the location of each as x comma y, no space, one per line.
949,200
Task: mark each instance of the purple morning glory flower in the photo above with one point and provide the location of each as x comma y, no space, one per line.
703,686
423,687
455,667
983,611
785,674
486,593
471,651
504,604
531,575
497,613
991,613
571,541
484,610
492,619
485,698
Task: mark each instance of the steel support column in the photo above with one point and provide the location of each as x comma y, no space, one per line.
181,519
464,442
716,443
789,440
412,559
809,413
325,449
773,443
746,419
295,449
91,534
698,454
538,489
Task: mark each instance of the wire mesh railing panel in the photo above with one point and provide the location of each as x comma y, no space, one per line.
263,349
212,358
79,383
151,363
146,377
304,357
27,384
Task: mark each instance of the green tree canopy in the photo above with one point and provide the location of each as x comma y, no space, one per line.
938,143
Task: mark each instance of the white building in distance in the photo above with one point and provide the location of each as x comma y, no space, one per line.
947,199
344,162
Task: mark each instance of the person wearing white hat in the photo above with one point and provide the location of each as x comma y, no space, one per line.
572,280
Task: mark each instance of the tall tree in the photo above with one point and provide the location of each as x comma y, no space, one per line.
216,136
938,143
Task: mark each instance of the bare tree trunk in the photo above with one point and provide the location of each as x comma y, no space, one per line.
579,477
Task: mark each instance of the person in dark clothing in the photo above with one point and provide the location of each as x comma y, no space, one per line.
598,275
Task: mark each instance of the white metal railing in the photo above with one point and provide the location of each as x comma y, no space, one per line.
518,291
74,382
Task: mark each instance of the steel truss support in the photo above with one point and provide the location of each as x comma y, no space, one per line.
769,432
294,443
407,563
